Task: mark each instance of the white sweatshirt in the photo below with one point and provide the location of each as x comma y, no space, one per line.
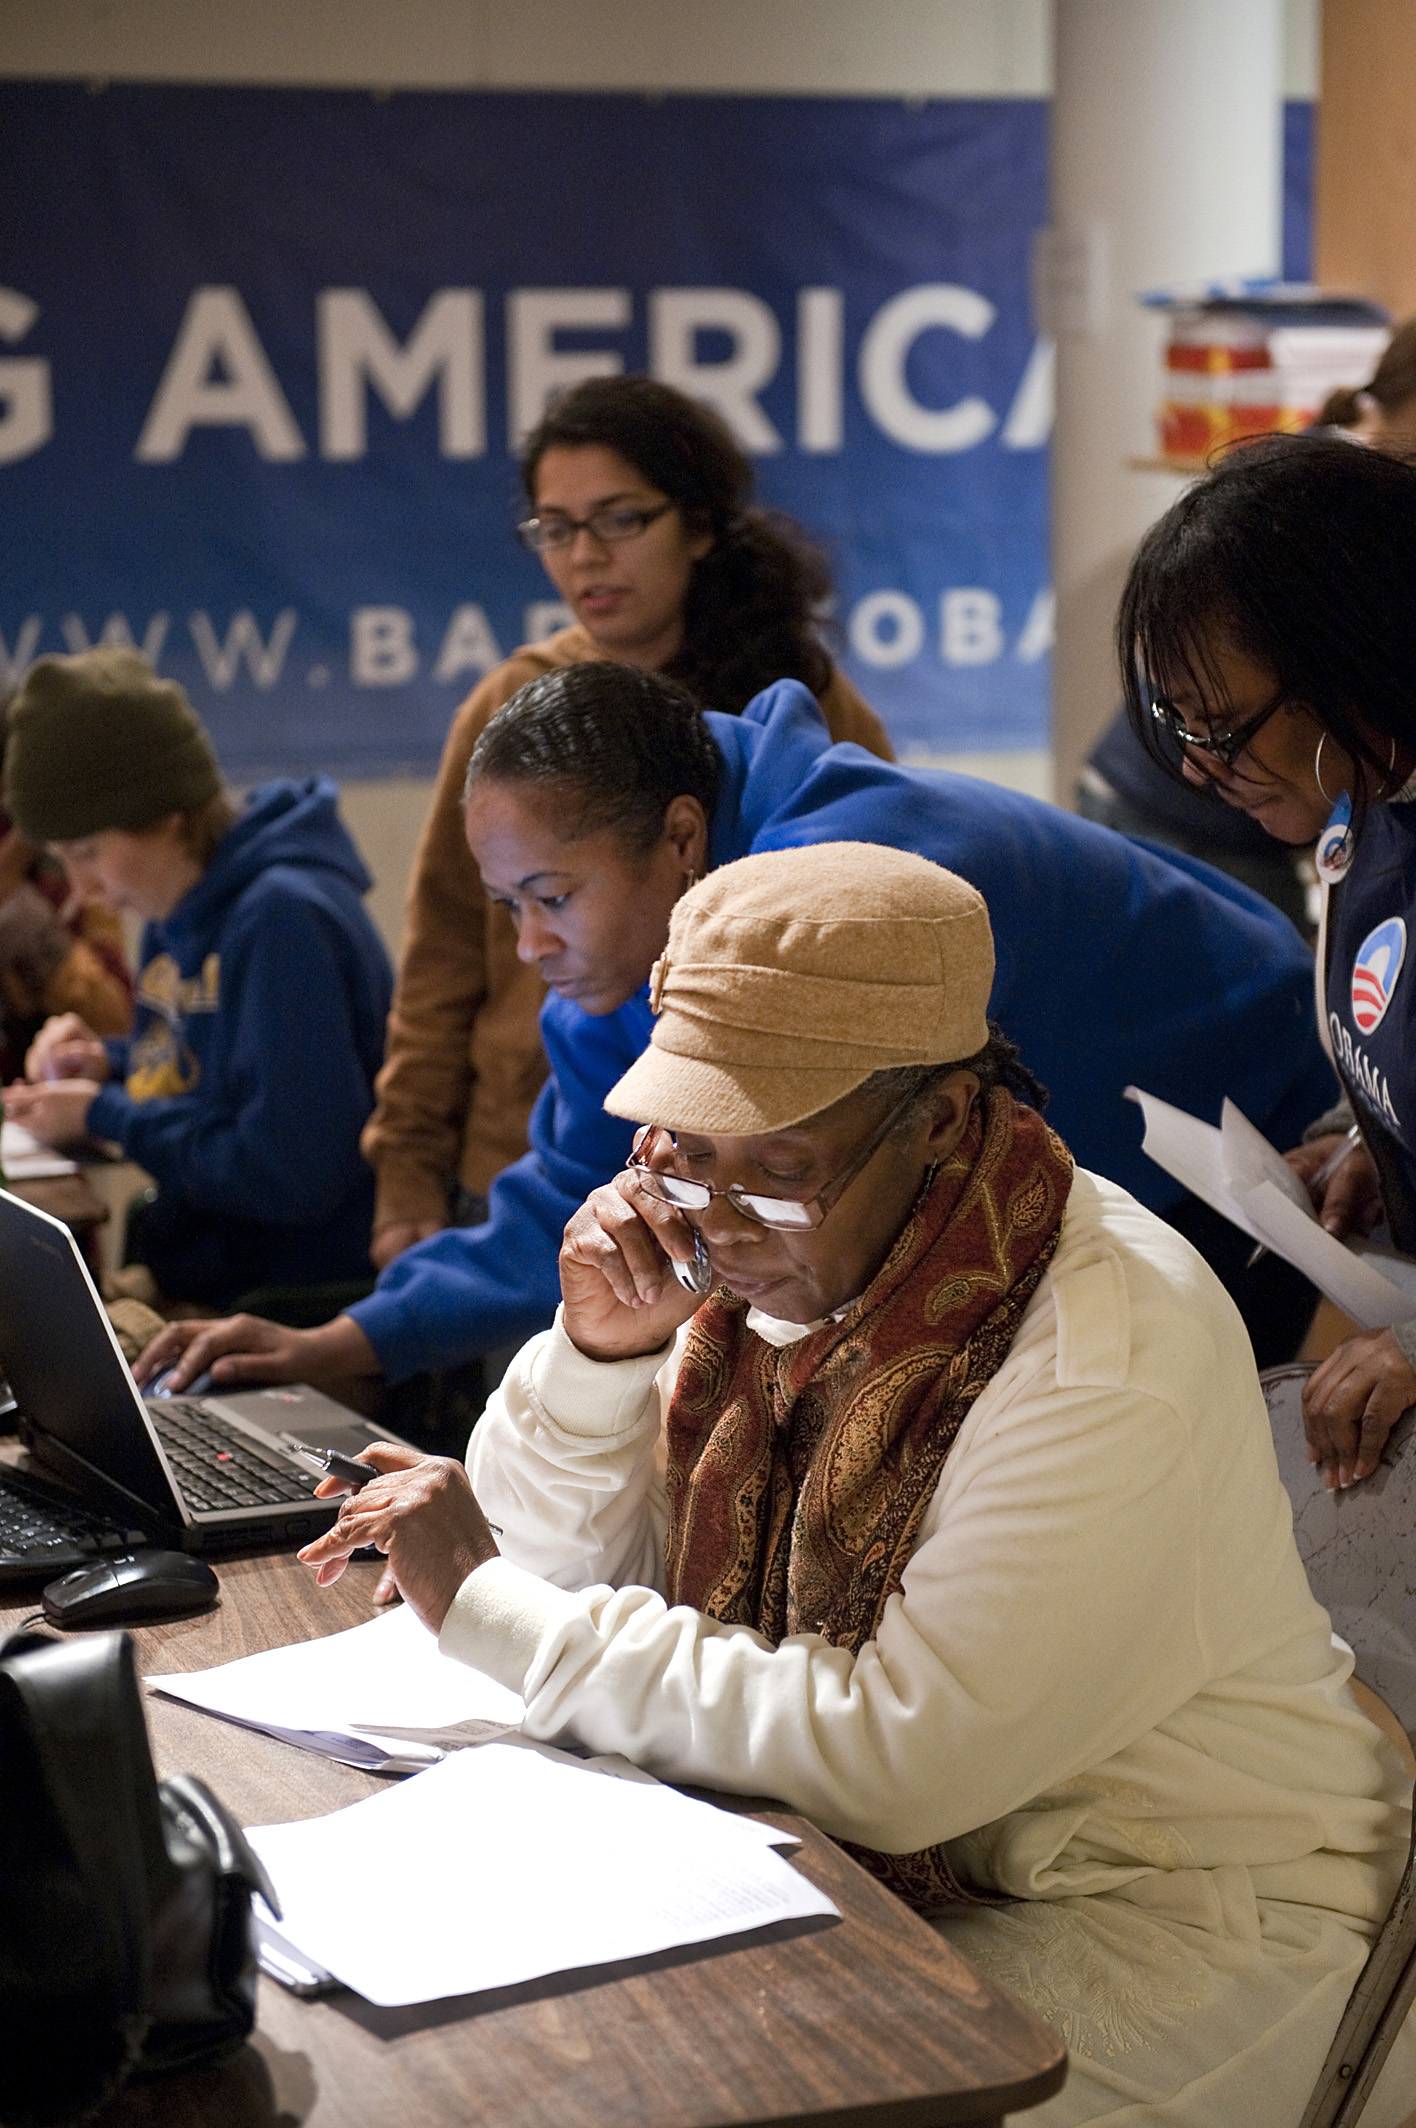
1103,1671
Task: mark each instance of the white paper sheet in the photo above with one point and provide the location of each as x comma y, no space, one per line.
1249,1161
514,1861
25,1159
1240,1174
378,1695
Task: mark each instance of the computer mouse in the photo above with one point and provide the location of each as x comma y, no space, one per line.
161,1384
130,1589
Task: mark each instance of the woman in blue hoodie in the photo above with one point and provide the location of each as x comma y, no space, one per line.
595,796
262,993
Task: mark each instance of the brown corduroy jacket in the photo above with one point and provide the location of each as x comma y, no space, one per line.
464,1061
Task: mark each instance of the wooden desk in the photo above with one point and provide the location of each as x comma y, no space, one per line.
872,2023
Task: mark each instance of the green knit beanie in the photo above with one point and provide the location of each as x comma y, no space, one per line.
98,741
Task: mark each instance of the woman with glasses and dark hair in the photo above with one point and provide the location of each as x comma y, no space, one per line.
1123,785
599,793
640,507
1267,637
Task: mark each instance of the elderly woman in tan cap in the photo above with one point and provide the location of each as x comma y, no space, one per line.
949,1515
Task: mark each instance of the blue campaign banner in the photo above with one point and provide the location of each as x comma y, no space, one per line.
265,354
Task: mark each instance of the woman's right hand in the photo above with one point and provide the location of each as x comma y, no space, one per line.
66,1047
1350,1201
400,1234
620,1296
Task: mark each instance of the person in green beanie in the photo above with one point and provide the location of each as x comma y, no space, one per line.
262,995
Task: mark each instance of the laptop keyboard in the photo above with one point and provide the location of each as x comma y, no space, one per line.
218,1466
42,1535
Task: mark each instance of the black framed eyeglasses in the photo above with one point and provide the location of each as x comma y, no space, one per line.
782,1213
1223,746
615,522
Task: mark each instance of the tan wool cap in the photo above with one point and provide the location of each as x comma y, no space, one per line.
792,976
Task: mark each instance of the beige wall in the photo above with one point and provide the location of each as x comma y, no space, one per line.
827,47
385,819
866,47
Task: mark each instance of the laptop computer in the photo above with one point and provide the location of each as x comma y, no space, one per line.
206,1473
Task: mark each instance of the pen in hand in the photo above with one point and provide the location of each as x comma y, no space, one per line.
1351,1139
331,1464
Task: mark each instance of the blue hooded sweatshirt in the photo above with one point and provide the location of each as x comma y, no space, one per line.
1117,964
257,1032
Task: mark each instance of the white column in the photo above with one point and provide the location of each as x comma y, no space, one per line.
1166,165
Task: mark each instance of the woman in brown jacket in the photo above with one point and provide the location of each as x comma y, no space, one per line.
642,514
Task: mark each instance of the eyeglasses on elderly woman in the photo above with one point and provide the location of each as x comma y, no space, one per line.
783,1213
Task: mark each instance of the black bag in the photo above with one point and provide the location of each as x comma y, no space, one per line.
125,1904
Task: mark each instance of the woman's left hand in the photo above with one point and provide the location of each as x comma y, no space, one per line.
56,1112
1351,1403
422,1513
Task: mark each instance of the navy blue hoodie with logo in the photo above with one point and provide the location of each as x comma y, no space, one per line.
1116,963
258,1028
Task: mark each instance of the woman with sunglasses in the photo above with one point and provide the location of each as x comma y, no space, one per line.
1267,637
598,794
640,507
949,1515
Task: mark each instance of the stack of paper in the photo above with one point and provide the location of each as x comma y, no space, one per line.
1240,1174
25,1158
379,1696
507,1863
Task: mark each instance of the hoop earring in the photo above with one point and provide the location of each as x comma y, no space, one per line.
1389,778
1318,768
1337,845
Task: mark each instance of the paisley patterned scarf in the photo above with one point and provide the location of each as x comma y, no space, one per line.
798,1475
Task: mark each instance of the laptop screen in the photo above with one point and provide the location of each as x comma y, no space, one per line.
62,1360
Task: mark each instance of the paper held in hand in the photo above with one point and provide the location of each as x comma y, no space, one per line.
1237,1171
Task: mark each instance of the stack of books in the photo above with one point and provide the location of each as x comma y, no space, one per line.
1244,358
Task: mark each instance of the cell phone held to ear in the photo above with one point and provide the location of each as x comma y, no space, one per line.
695,1276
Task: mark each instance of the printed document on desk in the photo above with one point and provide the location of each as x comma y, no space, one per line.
378,1696
516,1861
1237,1171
